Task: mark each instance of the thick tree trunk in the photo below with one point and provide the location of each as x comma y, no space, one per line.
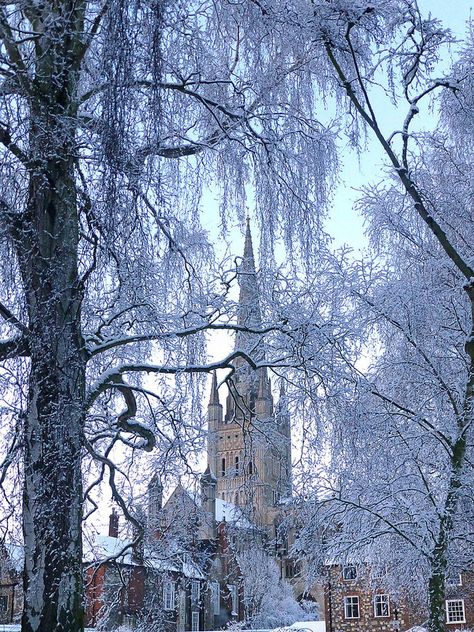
52,501
47,239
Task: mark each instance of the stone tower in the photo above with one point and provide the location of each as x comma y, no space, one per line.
249,446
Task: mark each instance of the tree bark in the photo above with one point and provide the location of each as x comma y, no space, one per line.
46,238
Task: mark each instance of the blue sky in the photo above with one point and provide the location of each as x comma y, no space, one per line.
345,226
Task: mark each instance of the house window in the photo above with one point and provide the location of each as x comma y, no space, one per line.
195,590
223,467
349,572
454,580
237,465
215,598
194,621
169,595
381,606
289,570
3,603
455,611
351,607
250,468
233,598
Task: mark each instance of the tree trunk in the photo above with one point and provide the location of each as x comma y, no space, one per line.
52,500
47,238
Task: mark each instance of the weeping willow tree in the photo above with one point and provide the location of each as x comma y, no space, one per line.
114,116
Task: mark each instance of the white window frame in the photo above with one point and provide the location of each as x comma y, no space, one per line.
215,598
169,595
345,570
450,613
195,590
349,602
195,621
234,599
454,581
381,600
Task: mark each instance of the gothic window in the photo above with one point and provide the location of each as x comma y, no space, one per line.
223,467
351,607
250,467
237,465
233,599
381,606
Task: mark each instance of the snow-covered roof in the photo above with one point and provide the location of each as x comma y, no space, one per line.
229,512
107,547
16,555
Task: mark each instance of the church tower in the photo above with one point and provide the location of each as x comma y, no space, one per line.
249,446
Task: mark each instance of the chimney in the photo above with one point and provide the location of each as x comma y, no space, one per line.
155,505
113,524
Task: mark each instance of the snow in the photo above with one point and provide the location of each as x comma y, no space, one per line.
228,512
13,627
311,626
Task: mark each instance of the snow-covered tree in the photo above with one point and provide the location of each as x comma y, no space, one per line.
400,486
268,599
114,116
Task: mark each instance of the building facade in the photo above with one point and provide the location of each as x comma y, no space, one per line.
356,601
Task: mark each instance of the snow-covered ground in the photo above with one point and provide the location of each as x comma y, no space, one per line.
309,626
16,628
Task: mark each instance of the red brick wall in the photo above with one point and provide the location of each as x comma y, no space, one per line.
94,590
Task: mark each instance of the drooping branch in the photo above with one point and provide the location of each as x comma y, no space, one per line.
107,379
125,418
106,345
6,141
406,180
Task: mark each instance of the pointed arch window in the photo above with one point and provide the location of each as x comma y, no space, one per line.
223,467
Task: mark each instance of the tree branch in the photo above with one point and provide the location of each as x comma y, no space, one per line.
13,320
407,182
14,348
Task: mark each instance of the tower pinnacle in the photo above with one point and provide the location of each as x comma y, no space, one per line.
248,314
214,396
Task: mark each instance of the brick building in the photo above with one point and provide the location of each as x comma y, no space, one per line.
355,600
11,589
181,579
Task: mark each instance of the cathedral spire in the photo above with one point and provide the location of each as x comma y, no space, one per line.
214,396
248,314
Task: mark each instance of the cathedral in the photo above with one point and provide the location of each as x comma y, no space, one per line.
249,441
186,575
